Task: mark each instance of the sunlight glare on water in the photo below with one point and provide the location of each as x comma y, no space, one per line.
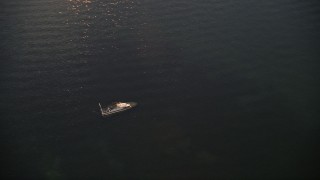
112,14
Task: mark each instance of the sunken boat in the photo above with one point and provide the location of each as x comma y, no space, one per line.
116,107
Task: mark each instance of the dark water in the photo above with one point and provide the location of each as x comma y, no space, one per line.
226,89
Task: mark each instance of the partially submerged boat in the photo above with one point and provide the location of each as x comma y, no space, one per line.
116,107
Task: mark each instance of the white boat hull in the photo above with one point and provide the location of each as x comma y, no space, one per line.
107,111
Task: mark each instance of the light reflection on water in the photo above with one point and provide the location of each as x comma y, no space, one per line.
111,14
80,15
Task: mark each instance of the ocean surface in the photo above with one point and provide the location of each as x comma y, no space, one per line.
226,89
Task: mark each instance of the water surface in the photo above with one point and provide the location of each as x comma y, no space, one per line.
226,89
